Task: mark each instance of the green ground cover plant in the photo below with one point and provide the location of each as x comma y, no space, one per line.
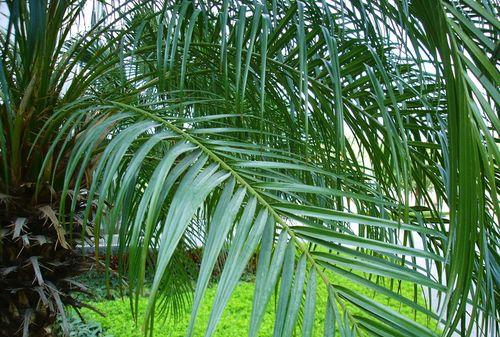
235,320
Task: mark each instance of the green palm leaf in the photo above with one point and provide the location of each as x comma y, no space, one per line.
330,139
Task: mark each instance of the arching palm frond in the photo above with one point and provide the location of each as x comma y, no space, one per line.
335,140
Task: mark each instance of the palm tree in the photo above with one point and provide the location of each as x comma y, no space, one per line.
333,139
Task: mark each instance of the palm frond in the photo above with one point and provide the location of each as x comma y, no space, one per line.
353,139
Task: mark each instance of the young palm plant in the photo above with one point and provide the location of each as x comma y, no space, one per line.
336,140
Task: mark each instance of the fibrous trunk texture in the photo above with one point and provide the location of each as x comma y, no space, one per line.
37,267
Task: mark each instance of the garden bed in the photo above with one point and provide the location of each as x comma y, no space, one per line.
119,322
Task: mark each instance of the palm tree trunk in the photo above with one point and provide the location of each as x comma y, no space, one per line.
36,271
